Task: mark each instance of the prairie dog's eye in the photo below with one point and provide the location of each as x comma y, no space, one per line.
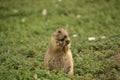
59,31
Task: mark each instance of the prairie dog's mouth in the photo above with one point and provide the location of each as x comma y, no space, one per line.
62,42
62,39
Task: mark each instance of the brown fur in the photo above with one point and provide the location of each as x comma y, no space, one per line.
58,56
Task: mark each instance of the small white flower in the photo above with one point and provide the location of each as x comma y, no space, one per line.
35,76
23,20
15,10
44,12
78,16
91,38
74,35
102,37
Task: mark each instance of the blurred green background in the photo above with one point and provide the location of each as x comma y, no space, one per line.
27,25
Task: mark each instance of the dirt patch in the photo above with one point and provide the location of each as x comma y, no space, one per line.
116,58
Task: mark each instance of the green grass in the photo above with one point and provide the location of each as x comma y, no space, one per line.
25,35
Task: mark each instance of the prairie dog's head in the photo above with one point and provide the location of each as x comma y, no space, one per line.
61,37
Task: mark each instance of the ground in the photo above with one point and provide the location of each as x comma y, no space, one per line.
26,27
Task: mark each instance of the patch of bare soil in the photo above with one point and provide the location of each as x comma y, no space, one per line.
112,72
116,58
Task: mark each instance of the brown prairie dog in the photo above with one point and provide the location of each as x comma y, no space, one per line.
58,56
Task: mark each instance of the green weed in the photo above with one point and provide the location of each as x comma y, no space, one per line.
25,35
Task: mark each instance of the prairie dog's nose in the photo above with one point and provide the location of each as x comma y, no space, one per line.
65,36
67,41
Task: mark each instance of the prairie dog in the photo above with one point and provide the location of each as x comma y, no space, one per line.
58,56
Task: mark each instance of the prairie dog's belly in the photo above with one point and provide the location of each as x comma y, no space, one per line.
58,62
